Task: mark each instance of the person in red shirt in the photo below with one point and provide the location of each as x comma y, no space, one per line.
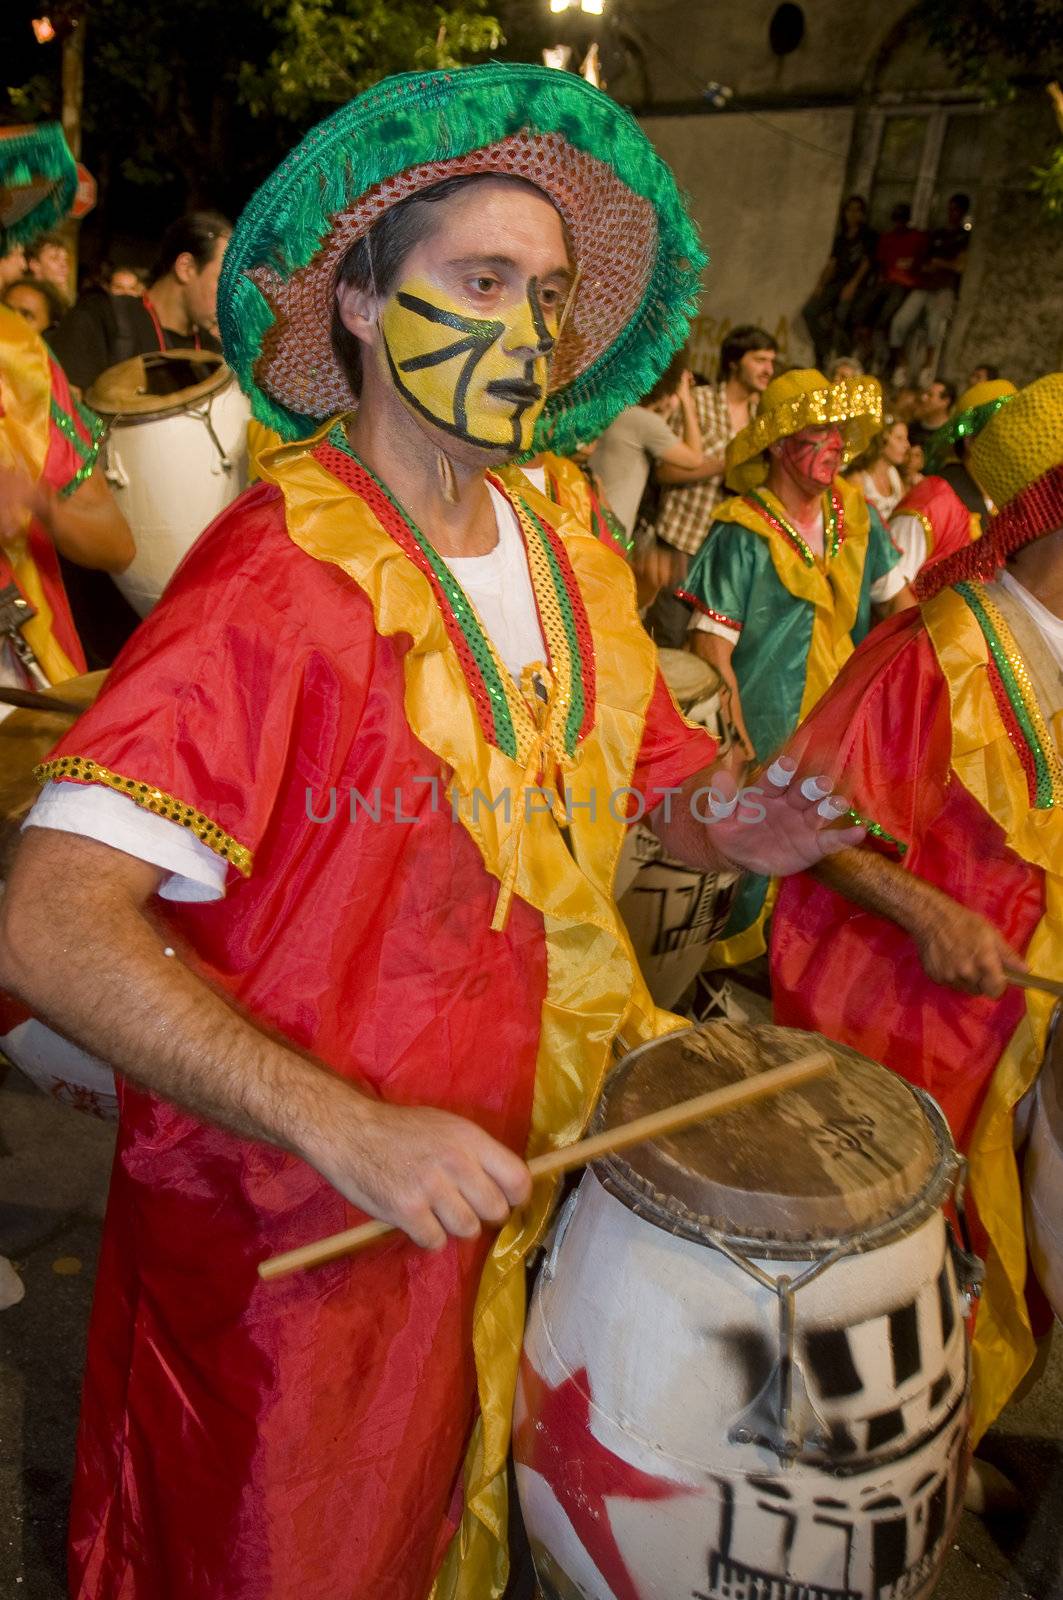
898,257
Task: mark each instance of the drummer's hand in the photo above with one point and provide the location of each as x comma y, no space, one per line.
785,822
960,948
19,499
425,1171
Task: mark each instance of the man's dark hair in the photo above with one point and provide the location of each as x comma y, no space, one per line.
33,251
196,235
374,261
739,342
960,199
991,373
902,212
57,306
949,388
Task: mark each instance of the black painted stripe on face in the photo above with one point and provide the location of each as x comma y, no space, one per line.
884,1427
831,1361
904,1342
546,338
481,328
769,1486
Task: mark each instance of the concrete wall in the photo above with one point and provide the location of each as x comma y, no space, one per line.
764,190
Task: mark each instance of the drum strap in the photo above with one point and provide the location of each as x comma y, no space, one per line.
157,325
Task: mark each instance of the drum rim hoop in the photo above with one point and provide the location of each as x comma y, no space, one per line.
207,389
640,1196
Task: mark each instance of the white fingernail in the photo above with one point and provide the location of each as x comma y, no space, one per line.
812,789
779,775
834,806
722,808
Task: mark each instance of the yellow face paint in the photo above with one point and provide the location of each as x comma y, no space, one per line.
481,379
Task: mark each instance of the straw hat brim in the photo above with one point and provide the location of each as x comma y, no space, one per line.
852,404
637,251
38,182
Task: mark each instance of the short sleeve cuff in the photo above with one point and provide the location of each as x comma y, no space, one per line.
889,584
194,871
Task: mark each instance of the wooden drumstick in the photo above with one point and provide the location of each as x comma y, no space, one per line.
1033,980
652,1126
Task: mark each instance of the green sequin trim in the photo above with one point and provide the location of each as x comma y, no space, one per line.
876,830
799,544
87,449
505,734
574,721
1045,795
625,540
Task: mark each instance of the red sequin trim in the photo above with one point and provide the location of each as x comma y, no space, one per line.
1014,731
362,483
707,611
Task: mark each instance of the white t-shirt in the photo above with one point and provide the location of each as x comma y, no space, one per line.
909,535
883,589
1049,625
499,586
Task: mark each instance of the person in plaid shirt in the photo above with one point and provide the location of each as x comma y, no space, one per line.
747,362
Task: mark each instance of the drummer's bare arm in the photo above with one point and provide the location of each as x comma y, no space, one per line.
87,527
957,946
717,651
78,947
785,822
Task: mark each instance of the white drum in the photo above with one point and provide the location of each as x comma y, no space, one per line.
745,1369
1043,1170
673,913
175,455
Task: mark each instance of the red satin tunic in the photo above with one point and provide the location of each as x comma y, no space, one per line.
302,1439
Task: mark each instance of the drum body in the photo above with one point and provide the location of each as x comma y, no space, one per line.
1043,1171
683,1428
173,460
672,913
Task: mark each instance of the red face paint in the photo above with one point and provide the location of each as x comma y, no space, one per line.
813,457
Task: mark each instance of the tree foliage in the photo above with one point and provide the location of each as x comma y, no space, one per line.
213,92
992,43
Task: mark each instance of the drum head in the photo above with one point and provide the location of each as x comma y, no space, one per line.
688,677
847,1159
156,384
26,736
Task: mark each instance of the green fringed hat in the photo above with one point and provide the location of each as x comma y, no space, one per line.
975,407
636,249
38,182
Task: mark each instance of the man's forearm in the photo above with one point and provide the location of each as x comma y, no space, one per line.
876,884
151,1017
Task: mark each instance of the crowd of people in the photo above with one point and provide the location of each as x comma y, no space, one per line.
888,298
429,593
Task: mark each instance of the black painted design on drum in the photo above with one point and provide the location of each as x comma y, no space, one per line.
946,1303
936,1517
939,1389
904,1342
885,1426
842,1442
685,912
889,1545
885,1502
750,1351
770,1486
789,1528
829,1504
831,1361
733,1580
846,1529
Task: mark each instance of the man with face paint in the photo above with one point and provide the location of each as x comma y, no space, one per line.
370,764
788,582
